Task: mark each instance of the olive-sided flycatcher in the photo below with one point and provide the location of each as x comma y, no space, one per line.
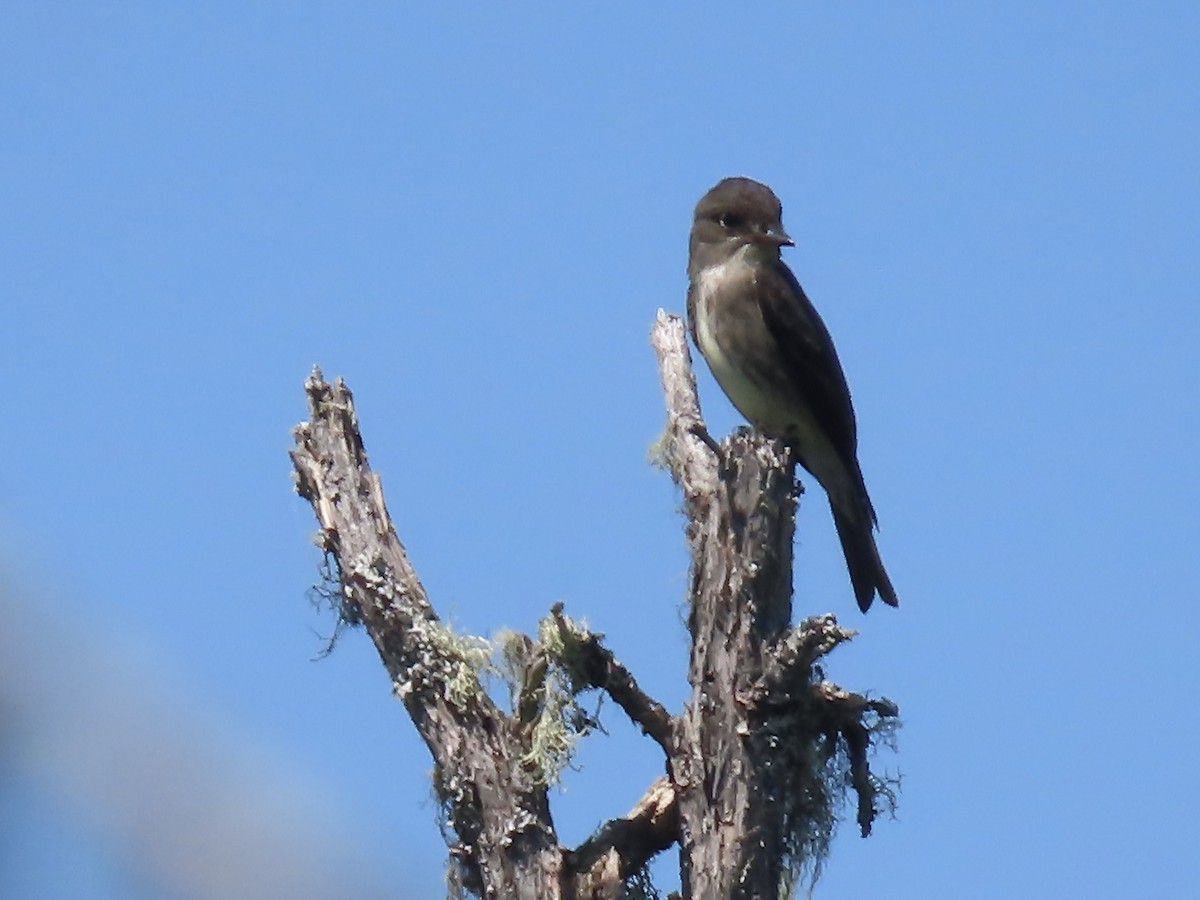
773,357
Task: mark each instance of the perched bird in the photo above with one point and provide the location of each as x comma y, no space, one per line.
773,357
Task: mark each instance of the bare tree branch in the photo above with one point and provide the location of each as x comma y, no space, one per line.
758,760
596,664
506,841
690,456
792,658
621,847
857,718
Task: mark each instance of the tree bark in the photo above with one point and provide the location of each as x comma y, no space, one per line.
731,824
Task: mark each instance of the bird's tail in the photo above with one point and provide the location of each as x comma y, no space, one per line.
862,559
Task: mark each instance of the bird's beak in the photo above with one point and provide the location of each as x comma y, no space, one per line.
774,236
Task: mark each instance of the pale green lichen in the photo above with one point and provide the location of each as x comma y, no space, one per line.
454,664
661,453
560,719
552,739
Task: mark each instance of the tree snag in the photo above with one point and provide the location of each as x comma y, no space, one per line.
759,761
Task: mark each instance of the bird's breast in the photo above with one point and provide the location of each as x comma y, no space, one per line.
751,367
735,342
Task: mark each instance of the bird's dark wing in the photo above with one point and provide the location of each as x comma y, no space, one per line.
691,313
807,351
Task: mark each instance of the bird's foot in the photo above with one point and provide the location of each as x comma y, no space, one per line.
710,442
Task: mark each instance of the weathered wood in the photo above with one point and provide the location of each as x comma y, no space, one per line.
741,511
506,843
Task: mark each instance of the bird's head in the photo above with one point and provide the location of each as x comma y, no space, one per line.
738,212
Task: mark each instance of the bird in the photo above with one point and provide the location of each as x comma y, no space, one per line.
773,357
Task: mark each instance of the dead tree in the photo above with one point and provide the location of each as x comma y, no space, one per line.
758,763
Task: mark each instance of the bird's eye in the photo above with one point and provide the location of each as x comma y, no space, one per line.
731,220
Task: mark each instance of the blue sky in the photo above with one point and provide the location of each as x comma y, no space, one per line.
473,216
